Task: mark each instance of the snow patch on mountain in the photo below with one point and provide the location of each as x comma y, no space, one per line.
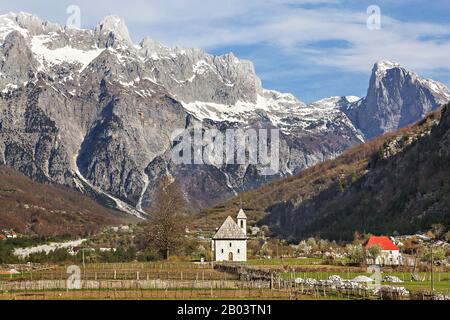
66,54
269,101
283,110
334,102
8,25
9,88
144,189
436,88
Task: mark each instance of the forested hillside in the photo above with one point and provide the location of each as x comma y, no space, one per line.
397,182
41,209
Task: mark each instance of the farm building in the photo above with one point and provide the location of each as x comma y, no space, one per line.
390,254
230,241
9,234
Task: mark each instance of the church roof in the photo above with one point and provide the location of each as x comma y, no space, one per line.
230,231
241,215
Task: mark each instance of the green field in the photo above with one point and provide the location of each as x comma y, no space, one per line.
292,262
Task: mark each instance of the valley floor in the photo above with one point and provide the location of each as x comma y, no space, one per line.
194,281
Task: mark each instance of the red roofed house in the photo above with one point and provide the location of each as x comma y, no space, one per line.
390,253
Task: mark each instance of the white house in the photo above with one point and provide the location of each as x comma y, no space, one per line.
230,241
390,254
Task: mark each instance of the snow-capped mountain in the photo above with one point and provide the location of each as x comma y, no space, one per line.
396,98
92,110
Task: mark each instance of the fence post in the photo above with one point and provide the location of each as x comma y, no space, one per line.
271,281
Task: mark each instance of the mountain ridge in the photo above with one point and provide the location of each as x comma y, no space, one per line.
91,110
369,188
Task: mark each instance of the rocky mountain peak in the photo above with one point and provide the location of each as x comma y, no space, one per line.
30,22
25,23
114,25
381,68
385,70
150,46
17,61
8,24
396,97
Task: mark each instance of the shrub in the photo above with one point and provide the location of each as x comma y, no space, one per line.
354,254
6,253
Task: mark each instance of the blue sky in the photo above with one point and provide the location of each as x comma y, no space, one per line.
311,48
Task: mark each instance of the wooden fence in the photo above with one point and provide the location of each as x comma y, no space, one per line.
153,281
39,285
320,289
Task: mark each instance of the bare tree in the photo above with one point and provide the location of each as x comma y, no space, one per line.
166,226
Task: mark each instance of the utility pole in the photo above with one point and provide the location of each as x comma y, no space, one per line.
432,269
278,255
82,251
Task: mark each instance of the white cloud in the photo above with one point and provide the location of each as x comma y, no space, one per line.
294,29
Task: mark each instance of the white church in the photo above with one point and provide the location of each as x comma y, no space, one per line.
230,241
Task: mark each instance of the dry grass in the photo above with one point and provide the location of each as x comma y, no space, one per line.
200,282
205,294
52,210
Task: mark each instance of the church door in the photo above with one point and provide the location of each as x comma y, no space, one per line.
230,256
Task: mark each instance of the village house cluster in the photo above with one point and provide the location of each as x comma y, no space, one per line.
7,234
230,242
121,228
